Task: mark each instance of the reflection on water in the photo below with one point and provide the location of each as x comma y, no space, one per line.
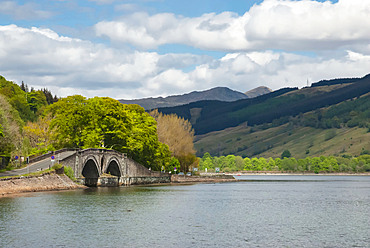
264,211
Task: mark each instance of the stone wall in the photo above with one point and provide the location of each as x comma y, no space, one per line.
134,169
145,180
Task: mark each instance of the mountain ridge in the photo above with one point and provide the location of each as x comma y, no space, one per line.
223,94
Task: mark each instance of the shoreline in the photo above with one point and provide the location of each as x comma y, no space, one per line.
176,179
41,183
278,173
49,182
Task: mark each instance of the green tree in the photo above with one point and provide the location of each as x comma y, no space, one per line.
239,163
36,100
17,99
174,163
286,154
230,162
248,164
69,119
256,164
263,163
206,162
272,164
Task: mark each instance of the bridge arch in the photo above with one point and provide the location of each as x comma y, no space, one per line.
90,171
113,167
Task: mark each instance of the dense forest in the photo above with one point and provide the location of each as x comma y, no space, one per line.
18,105
322,164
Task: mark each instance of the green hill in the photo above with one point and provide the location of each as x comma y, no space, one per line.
330,118
271,142
278,105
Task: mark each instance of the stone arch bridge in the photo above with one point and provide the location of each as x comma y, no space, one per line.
103,167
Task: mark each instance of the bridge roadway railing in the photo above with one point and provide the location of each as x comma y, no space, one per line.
47,155
102,150
93,150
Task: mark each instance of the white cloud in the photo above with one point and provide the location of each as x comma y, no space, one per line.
273,24
28,11
209,31
308,25
43,58
244,71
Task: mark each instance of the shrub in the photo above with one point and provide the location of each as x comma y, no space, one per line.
286,154
57,166
68,171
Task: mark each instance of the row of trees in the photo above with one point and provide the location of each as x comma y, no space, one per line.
287,164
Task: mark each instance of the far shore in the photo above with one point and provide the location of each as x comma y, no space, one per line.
279,173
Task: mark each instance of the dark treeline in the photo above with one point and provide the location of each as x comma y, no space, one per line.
321,164
338,81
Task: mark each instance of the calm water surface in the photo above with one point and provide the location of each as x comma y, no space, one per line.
264,211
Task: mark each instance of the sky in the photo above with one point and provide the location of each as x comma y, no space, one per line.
129,49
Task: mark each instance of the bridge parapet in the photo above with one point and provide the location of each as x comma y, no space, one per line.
47,155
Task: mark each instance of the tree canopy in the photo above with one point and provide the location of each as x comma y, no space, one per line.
104,122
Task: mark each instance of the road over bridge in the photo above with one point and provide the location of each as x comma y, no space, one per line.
97,167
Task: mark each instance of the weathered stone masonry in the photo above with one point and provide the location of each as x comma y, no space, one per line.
101,167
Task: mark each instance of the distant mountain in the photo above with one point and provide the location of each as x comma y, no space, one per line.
223,94
259,91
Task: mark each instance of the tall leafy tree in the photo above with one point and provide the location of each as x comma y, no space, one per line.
178,134
36,100
39,135
10,128
69,120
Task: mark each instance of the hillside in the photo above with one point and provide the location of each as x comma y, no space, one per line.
339,129
271,142
219,93
276,106
330,118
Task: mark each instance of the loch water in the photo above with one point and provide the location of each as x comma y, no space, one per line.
260,211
